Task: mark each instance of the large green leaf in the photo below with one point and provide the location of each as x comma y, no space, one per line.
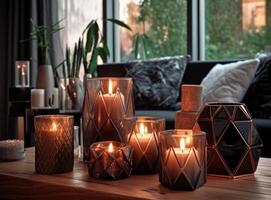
93,62
92,37
120,23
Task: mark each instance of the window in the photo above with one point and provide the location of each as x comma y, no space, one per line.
236,29
159,28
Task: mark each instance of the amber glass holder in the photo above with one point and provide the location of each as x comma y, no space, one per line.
110,160
142,133
183,159
54,140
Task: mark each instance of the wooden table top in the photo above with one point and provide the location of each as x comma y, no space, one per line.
18,180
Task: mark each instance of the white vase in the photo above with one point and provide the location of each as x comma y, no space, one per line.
45,80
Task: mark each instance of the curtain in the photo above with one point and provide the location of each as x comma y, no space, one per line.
15,25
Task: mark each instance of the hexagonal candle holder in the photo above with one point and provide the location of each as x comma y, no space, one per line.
110,160
183,159
54,140
107,102
142,133
234,145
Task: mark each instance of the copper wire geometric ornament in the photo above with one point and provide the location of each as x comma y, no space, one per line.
234,145
107,101
110,160
142,133
54,140
183,159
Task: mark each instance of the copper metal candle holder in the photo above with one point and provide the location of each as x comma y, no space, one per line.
107,102
54,142
110,160
183,159
234,145
142,133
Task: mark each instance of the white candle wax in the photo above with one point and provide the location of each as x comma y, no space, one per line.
37,98
109,105
11,149
139,141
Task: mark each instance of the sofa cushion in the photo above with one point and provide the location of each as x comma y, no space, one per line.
258,96
157,81
228,83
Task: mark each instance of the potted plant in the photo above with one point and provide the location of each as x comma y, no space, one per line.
45,79
96,45
70,86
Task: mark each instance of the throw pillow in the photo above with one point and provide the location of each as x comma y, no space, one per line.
258,96
157,81
228,83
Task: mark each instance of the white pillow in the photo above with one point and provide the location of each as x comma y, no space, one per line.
228,83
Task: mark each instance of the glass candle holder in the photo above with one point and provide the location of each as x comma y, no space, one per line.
12,149
22,73
142,133
110,160
183,159
54,140
71,92
107,102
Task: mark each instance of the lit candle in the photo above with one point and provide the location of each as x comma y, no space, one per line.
146,152
54,144
183,159
110,160
109,111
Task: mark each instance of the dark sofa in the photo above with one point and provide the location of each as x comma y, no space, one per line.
194,73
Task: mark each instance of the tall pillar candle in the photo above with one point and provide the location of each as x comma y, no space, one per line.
54,147
37,98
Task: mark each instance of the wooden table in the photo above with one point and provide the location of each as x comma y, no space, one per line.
19,181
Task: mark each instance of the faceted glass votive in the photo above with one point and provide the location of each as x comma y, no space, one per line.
110,160
107,102
142,133
183,159
54,140
22,73
234,144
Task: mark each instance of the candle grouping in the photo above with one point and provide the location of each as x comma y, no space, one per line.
54,140
110,160
107,102
183,159
142,133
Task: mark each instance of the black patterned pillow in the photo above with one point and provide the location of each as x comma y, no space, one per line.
157,82
258,96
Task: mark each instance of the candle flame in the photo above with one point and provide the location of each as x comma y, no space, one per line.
188,140
23,73
142,129
53,127
110,148
182,144
110,87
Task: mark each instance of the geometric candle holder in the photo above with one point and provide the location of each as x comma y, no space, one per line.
234,145
142,133
183,159
54,142
107,102
110,160
22,73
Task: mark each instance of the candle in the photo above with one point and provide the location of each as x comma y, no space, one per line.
22,74
54,144
37,98
110,160
12,150
182,159
109,111
145,156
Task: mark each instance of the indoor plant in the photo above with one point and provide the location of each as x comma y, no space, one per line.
45,79
70,86
96,45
